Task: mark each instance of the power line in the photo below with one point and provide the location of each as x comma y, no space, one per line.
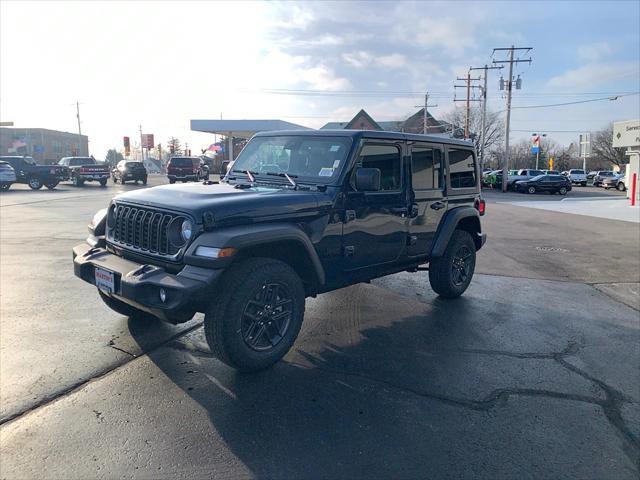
579,101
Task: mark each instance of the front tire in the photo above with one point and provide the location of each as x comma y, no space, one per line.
620,187
144,181
531,190
258,315
562,191
35,183
451,274
51,185
77,181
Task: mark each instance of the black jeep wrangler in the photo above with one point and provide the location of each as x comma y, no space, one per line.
298,214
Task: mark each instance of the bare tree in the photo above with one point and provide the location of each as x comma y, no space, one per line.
602,147
494,126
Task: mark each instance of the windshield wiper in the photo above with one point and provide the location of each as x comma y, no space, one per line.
285,175
248,173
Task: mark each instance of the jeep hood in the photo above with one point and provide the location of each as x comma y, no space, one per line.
228,204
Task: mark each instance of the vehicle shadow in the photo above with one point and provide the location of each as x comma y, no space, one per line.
367,392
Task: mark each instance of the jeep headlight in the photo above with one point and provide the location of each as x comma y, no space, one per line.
96,226
186,230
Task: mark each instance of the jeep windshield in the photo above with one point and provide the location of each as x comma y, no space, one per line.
306,158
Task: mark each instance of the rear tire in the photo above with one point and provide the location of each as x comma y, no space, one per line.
103,183
257,316
123,308
451,274
6,187
35,183
144,181
172,181
77,181
51,185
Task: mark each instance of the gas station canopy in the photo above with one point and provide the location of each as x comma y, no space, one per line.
242,128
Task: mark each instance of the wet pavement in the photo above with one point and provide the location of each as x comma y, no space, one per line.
533,373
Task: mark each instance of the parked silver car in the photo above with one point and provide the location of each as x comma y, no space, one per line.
7,176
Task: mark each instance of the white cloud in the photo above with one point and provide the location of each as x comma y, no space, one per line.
447,33
357,59
323,78
593,75
595,51
395,60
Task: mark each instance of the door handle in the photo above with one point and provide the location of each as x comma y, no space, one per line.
438,205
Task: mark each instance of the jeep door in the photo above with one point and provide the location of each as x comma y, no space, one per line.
375,223
427,199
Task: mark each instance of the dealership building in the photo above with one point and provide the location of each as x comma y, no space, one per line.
44,145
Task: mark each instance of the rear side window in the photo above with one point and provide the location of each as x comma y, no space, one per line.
426,167
387,159
462,168
181,162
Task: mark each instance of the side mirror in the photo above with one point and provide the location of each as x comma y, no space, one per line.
368,179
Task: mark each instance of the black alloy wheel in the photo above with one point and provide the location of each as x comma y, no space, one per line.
461,265
267,316
531,189
563,190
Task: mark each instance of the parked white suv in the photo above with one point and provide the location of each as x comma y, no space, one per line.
578,176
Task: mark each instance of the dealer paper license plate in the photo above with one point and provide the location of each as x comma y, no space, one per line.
104,280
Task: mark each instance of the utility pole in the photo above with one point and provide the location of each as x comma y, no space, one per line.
468,100
79,129
483,126
141,146
425,127
510,61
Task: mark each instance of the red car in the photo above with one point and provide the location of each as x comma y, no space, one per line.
186,169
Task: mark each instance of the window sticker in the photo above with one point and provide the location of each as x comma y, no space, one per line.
334,148
336,164
325,172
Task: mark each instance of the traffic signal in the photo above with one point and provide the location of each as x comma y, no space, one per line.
127,146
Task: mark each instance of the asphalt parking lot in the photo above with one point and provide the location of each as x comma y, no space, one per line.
533,373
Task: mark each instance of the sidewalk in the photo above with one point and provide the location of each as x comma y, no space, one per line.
611,208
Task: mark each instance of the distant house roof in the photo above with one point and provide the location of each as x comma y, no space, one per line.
414,124
242,128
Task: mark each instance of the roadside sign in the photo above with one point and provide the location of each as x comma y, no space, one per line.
626,134
585,145
147,140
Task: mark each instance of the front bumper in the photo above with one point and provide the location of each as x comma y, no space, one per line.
139,285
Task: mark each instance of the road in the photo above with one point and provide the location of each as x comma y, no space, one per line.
533,373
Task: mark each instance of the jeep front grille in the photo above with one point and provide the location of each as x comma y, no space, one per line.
142,229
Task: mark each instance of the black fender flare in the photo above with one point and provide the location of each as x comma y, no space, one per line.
246,236
449,223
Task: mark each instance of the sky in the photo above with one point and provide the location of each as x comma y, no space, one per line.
160,64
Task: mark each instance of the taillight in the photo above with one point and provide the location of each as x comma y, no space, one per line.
481,206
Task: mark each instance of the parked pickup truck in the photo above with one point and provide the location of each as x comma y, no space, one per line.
523,174
85,169
34,175
577,176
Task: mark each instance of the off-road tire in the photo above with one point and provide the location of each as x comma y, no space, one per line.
123,308
223,319
35,183
441,275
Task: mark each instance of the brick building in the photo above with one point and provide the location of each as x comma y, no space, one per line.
414,124
45,146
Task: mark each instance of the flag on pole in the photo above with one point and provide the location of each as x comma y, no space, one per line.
535,147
